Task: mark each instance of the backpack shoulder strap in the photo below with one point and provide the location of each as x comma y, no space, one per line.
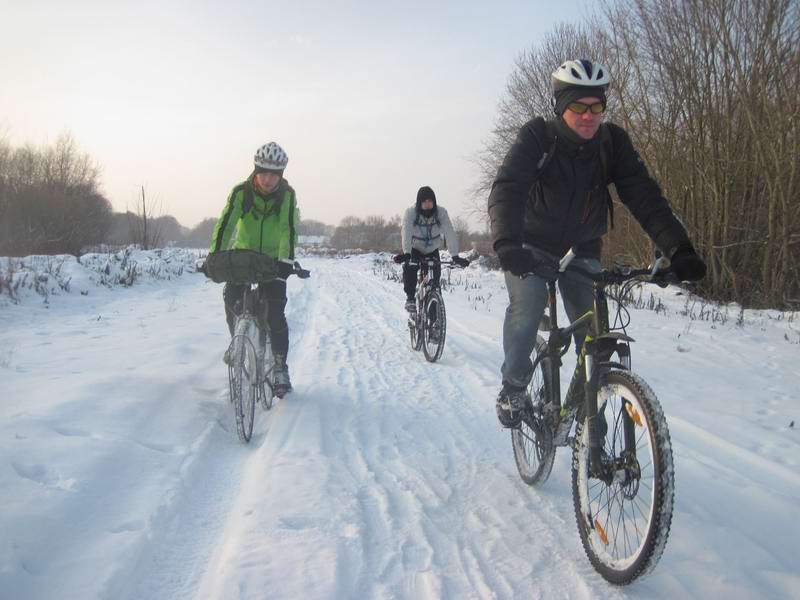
547,138
545,132
606,156
606,150
247,201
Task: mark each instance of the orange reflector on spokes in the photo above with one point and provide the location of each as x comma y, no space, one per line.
633,414
601,532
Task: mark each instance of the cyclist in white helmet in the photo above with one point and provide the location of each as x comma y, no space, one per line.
262,210
550,195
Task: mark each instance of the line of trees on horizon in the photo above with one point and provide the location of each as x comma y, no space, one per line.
50,200
51,203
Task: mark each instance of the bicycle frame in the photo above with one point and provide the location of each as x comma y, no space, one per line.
598,347
424,280
250,304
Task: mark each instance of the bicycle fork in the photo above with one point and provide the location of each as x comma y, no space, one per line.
597,466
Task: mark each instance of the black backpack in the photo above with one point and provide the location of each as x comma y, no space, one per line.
544,131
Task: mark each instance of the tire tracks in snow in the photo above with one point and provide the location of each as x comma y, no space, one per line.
388,475
423,468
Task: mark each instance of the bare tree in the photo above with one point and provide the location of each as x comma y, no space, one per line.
707,91
461,227
146,230
200,235
374,233
51,201
311,227
710,99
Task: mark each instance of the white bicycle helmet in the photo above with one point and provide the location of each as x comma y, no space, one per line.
271,157
580,73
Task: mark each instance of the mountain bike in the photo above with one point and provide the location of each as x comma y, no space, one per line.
622,471
249,354
427,325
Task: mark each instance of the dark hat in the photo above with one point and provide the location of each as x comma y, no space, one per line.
425,193
565,97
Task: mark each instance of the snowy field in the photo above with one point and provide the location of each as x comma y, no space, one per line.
382,476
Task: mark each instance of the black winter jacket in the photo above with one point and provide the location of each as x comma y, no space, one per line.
568,205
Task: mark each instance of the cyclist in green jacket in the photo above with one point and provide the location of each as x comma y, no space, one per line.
262,210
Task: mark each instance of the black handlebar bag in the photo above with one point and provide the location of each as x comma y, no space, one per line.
240,266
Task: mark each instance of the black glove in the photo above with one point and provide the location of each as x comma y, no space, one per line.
285,269
461,262
401,258
686,265
513,257
300,271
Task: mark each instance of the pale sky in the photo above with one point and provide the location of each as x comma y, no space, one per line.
370,100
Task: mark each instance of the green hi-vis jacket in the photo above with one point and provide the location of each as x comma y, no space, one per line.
265,223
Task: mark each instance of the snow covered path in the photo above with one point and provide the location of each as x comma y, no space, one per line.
382,476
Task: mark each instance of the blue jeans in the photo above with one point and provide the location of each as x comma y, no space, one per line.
526,301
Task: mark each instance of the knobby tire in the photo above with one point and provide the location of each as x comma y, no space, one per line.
624,526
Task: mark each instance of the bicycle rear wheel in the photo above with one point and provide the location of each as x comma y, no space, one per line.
414,331
533,439
624,524
434,328
243,380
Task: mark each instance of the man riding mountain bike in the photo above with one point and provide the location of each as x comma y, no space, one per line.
263,212
551,194
426,228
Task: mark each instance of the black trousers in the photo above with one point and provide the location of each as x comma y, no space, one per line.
272,296
410,271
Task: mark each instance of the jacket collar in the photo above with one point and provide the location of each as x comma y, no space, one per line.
573,144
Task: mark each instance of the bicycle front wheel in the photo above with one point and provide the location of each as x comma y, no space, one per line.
434,327
533,439
624,519
243,381
265,390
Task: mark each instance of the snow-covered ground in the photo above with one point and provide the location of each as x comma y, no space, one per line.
382,476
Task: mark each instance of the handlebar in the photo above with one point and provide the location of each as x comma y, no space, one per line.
429,262
660,273
301,273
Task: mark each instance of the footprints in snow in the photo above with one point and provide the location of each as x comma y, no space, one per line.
128,527
44,476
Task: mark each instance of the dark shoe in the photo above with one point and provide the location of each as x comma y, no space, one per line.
510,403
280,377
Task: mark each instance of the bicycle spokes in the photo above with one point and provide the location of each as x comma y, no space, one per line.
624,504
433,321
